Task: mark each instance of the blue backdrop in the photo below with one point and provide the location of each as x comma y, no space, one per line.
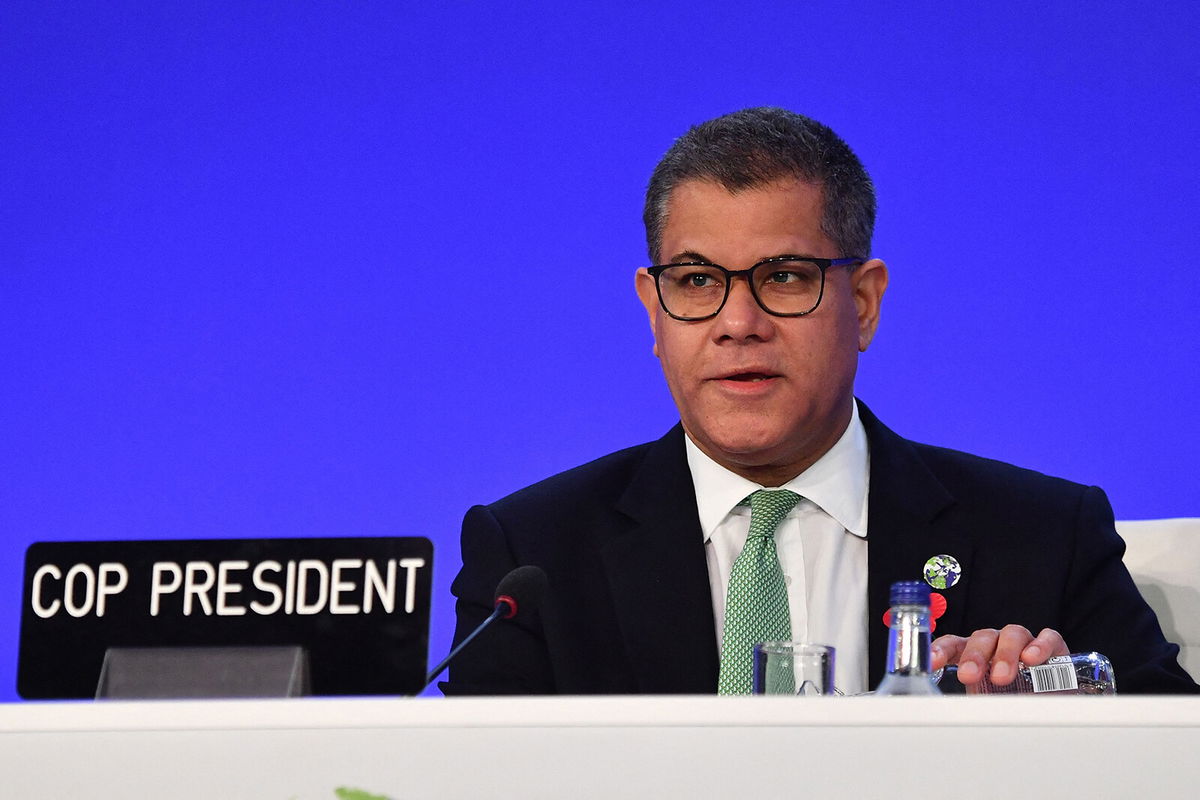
324,269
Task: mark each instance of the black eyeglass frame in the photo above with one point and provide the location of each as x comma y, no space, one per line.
822,264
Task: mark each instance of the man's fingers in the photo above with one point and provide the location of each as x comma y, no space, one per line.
945,650
995,653
975,655
1009,645
1048,643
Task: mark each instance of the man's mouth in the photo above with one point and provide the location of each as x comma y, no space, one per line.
749,376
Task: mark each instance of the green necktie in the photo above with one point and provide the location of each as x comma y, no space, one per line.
756,605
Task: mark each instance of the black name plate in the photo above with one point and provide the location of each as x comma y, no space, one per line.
359,607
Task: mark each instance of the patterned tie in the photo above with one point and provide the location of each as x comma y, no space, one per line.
756,606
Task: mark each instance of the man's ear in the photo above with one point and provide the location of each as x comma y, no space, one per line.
648,294
868,282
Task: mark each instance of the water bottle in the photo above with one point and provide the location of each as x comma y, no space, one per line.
1078,673
909,638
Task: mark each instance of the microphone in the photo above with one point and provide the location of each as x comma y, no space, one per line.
525,584
519,592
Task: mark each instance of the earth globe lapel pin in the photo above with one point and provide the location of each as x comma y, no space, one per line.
942,572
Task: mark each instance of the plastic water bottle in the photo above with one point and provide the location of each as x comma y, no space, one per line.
908,655
1078,673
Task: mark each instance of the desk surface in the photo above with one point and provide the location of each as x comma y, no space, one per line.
601,747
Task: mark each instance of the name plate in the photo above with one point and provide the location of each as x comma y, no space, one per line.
358,606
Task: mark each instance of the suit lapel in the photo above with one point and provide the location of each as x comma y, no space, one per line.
905,527
659,576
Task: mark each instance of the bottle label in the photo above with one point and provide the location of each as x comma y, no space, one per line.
1054,677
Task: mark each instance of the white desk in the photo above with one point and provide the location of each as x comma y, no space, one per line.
603,747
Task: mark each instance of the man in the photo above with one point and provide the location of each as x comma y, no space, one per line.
762,296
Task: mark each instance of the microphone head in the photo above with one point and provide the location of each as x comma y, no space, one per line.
522,590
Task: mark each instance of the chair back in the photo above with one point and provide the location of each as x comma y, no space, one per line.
1163,555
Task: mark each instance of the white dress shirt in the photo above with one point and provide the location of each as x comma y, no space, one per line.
822,546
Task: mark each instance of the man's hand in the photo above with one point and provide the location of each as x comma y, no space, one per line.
1002,649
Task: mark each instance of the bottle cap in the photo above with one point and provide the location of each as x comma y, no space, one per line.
910,593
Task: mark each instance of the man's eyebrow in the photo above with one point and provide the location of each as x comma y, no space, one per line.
791,255
688,256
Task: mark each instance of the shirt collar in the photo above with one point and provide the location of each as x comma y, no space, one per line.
837,483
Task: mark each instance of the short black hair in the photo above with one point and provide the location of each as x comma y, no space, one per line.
757,146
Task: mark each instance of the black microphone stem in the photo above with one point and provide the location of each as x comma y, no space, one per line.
501,608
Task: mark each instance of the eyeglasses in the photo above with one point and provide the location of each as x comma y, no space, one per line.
784,286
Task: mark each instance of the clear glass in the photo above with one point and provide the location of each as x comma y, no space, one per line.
908,654
1078,673
794,668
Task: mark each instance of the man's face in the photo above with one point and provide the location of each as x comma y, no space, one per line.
764,396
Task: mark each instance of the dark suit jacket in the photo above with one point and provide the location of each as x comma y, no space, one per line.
629,609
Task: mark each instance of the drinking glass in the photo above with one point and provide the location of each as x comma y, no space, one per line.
796,668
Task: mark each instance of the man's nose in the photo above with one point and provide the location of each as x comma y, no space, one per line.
742,317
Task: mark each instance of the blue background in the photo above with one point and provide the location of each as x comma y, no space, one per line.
344,269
